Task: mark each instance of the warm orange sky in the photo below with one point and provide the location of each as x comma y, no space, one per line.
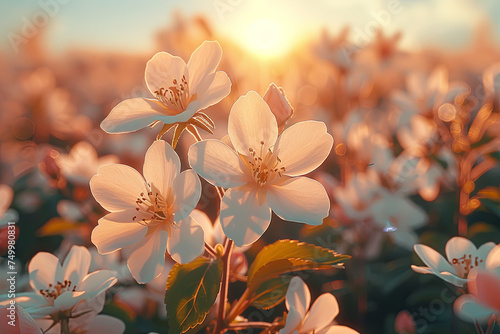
130,25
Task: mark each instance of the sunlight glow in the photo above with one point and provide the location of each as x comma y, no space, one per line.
265,38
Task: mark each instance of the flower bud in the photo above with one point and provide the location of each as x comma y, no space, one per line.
278,103
404,323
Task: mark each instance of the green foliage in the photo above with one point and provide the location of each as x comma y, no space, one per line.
265,282
191,292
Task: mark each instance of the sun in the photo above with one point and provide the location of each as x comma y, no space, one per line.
265,38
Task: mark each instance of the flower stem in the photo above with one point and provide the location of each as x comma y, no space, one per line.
479,329
238,307
224,286
210,250
64,322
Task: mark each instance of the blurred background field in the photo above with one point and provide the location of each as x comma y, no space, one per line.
409,89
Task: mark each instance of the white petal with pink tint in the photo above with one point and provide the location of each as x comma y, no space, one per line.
324,309
114,232
44,269
217,163
147,257
76,264
203,62
116,187
133,114
163,69
299,199
187,192
250,123
298,297
214,90
303,147
185,241
161,166
244,217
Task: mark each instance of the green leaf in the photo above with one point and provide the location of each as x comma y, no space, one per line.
286,256
191,291
271,292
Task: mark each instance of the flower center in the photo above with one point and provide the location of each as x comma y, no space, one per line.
264,168
154,205
465,263
175,97
56,290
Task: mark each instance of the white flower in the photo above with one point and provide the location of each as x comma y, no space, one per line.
82,163
180,90
59,289
87,320
264,170
149,214
7,215
484,288
462,257
318,319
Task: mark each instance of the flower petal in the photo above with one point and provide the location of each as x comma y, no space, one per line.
204,60
299,199
163,69
147,257
293,321
132,115
187,191
186,241
6,195
493,260
76,264
298,297
433,259
44,269
243,218
251,122
161,166
217,163
68,299
303,147
321,314
116,230
467,308
336,329
485,286
97,282
458,247
218,88
117,187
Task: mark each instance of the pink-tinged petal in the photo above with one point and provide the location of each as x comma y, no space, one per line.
299,199
203,62
433,259
293,321
251,122
217,163
278,103
117,187
76,264
206,224
187,192
214,90
458,247
163,69
44,269
303,147
243,216
493,260
67,300
298,297
116,230
97,282
147,257
335,329
133,114
185,241
106,324
445,276
485,286
24,323
467,308
321,314
161,166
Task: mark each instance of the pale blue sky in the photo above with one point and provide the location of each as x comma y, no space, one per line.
127,25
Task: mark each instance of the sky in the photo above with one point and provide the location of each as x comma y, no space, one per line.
129,26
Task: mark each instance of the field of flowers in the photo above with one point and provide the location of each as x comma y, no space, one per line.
338,188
